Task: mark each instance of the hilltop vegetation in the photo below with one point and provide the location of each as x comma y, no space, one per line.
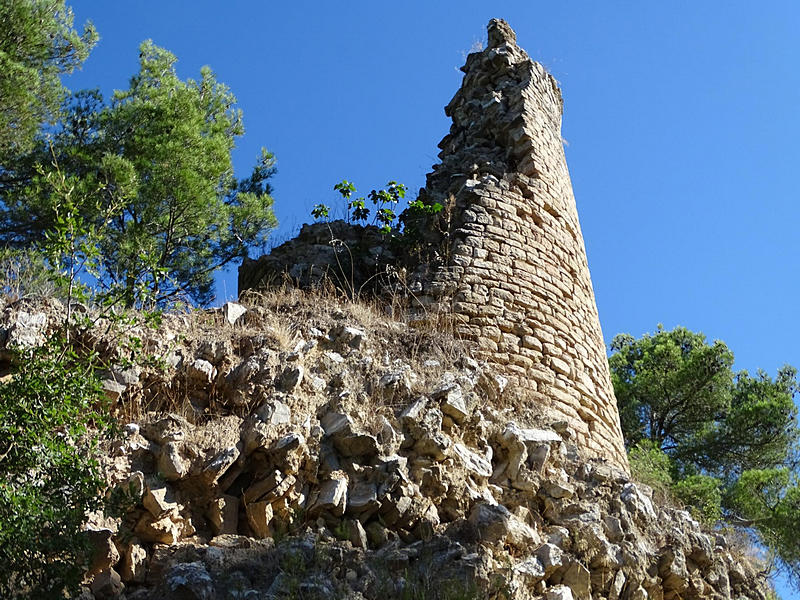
139,192
127,203
726,444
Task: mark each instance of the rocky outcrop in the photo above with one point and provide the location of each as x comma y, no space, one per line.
358,457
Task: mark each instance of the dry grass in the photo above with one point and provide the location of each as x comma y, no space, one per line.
24,275
744,546
277,321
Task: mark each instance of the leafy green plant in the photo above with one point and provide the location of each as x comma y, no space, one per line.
703,495
650,465
700,493
342,530
49,474
384,201
418,208
768,500
70,248
416,221
320,211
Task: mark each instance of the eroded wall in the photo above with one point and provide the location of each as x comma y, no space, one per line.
516,273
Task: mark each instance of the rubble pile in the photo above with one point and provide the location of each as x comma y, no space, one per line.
340,457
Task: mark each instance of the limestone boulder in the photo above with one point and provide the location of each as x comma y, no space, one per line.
167,529
107,585
274,413
232,312
259,518
559,592
134,563
160,499
104,551
172,428
348,337
331,496
24,329
496,524
216,467
345,436
223,514
189,581
638,503
201,372
171,464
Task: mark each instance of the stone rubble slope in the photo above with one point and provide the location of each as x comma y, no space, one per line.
349,456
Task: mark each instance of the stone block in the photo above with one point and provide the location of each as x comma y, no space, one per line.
134,564
223,513
259,517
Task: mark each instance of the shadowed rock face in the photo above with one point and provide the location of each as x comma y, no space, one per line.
506,258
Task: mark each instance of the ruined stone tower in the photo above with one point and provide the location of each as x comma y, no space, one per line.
506,259
516,274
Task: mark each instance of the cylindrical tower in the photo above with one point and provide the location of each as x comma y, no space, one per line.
515,272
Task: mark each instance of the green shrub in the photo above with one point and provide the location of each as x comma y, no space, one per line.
49,475
384,200
733,439
702,494
650,465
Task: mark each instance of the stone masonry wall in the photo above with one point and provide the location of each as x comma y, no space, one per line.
517,274
507,258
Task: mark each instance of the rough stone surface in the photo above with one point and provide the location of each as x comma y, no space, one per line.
233,311
134,566
340,490
104,551
107,585
190,581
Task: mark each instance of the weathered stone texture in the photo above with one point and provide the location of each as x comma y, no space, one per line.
387,462
516,272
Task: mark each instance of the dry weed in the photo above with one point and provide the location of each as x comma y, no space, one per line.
277,320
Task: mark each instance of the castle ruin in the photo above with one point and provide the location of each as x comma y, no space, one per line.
511,266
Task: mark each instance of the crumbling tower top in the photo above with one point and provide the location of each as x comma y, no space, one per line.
500,33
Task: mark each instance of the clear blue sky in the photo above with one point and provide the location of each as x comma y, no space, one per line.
682,119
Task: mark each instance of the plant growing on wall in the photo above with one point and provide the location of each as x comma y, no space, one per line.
385,206
384,203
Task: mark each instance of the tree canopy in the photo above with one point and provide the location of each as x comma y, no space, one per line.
725,443
37,45
152,177
132,201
